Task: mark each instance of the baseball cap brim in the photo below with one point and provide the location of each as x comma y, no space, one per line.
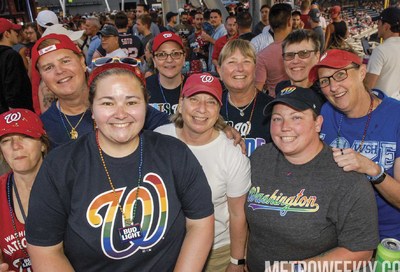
59,29
334,58
164,37
202,89
294,103
21,121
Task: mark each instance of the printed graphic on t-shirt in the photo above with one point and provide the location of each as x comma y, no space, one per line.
278,201
165,107
244,128
382,152
153,205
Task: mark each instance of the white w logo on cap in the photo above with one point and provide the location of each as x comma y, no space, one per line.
207,79
12,117
167,35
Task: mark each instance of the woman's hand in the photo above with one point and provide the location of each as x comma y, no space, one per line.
350,160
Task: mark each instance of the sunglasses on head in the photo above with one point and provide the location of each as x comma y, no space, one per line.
126,60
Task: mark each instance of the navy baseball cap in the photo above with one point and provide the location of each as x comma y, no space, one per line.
296,97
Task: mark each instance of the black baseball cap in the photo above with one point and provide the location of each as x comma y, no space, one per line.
391,16
108,30
296,97
314,14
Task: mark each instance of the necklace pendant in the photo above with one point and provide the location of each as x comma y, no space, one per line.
73,134
130,233
241,113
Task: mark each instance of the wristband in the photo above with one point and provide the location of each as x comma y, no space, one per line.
238,262
379,178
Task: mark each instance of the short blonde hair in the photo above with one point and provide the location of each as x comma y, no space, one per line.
230,47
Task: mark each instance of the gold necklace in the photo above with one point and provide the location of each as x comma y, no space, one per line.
128,221
73,134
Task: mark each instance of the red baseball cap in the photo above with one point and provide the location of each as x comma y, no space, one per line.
99,70
203,83
334,58
65,43
21,121
335,11
166,37
7,25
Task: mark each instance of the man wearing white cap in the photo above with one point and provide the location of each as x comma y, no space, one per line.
45,19
59,29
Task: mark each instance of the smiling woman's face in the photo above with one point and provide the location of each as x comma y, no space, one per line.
119,110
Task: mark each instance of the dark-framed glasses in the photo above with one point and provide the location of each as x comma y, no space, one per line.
126,60
303,54
174,55
337,76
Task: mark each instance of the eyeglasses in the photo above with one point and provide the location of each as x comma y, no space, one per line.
174,55
101,61
337,76
303,54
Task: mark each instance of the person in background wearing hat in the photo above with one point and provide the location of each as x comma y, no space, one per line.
302,206
322,23
110,43
314,21
61,65
44,19
337,31
363,129
384,64
171,18
120,198
15,86
129,43
165,86
199,124
23,144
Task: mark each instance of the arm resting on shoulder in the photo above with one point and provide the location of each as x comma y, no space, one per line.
49,258
196,245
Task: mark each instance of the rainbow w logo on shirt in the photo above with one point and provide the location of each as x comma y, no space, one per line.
152,225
